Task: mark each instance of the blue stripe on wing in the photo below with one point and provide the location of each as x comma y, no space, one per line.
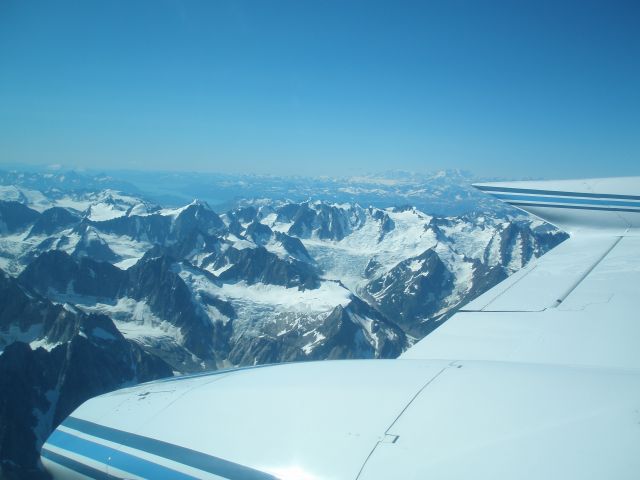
114,458
566,200
169,451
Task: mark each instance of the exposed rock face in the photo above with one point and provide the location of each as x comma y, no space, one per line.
328,222
149,228
294,247
352,331
57,271
266,349
93,246
386,224
153,281
163,229
25,315
413,290
53,220
88,356
358,331
197,217
15,217
25,378
259,233
258,265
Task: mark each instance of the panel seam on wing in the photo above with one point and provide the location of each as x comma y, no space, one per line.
395,420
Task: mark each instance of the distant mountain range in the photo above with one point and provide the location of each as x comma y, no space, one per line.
442,193
101,287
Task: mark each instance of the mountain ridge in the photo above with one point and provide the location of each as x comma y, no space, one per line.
108,280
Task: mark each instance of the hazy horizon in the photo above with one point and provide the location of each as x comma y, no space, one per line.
362,174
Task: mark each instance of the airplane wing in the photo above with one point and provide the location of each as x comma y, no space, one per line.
537,378
576,305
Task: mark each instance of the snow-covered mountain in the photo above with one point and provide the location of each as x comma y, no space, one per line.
102,288
264,283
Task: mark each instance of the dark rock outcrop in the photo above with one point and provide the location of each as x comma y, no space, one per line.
54,220
254,265
413,291
15,217
358,331
58,271
39,388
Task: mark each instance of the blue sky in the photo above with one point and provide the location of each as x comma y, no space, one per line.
512,88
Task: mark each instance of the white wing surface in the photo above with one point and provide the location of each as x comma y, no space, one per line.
577,305
537,378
